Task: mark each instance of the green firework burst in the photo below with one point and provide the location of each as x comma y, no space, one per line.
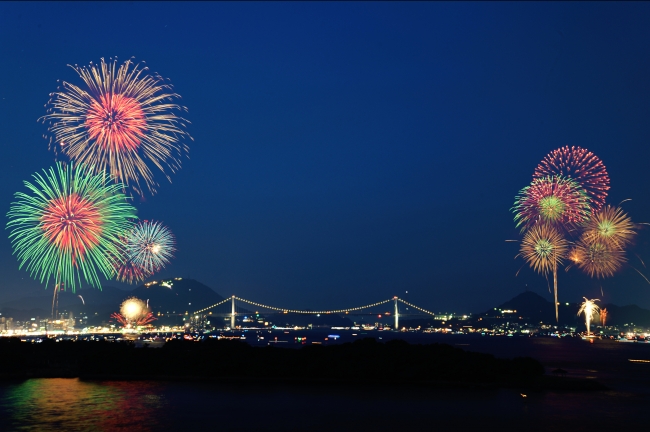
68,225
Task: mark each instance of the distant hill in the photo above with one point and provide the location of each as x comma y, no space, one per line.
177,295
90,296
537,309
88,300
167,295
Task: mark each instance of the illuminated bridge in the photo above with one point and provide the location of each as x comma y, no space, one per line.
358,310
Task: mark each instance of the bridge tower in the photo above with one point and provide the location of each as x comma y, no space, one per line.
396,314
232,315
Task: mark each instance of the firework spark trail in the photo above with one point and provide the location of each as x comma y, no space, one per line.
124,119
590,309
580,165
150,246
553,200
66,228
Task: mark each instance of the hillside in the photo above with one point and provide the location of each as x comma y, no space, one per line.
176,295
166,296
537,309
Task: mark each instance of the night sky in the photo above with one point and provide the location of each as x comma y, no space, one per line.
347,152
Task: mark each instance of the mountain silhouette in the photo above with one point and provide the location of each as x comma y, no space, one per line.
173,296
535,309
176,295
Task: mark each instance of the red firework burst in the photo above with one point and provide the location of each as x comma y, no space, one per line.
138,322
116,122
580,165
554,200
73,224
120,318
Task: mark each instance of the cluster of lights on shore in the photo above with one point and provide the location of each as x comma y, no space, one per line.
75,221
562,215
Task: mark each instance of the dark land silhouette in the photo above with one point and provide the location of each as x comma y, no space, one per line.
363,361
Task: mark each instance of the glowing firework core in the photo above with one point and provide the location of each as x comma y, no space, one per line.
133,313
551,208
544,248
133,308
72,223
116,122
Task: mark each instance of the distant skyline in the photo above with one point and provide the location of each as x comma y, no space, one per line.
345,152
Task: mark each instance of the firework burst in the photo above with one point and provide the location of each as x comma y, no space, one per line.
603,317
133,313
610,226
590,309
552,200
580,165
126,270
122,121
68,225
543,247
149,246
597,258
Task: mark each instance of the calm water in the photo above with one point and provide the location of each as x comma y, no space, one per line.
75,405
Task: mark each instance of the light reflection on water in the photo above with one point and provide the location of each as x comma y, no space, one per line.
48,404
56,404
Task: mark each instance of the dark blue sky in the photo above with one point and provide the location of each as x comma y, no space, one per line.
348,152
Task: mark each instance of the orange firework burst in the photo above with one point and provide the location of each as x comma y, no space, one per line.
122,122
597,258
610,226
543,248
603,317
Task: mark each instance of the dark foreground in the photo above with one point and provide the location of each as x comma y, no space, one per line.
352,387
364,361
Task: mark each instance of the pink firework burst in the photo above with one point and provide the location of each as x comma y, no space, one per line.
580,165
555,200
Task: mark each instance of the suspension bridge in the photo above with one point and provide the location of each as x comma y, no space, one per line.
358,310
